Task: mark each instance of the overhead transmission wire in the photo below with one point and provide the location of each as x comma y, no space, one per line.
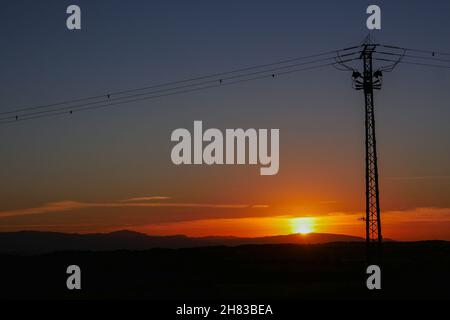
57,112
221,80
413,56
120,92
405,57
432,52
414,63
191,84
84,107
40,111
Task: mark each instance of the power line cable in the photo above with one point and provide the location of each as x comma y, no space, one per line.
222,80
121,92
415,63
413,56
84,108
433,53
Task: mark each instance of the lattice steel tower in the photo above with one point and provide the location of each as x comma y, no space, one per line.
369,81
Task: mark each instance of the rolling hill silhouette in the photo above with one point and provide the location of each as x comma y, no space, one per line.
262,272
35,242
130,265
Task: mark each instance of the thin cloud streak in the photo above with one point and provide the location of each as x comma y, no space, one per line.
64,206
149,198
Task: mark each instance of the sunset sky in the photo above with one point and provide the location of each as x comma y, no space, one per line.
108,170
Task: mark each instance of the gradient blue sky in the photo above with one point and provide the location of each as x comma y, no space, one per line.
124,152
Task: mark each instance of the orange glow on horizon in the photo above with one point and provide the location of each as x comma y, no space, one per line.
258,227
405,225
418,224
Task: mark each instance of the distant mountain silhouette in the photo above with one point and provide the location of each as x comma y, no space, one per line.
33,242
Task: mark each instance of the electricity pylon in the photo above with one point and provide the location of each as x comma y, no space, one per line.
369,81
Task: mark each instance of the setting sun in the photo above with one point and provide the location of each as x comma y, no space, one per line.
303,225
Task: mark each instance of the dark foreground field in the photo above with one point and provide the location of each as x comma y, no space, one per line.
257,272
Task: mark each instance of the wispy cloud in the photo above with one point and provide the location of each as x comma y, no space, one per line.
64,206
149,198
46,208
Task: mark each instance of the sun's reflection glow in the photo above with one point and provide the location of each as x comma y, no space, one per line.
303,225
